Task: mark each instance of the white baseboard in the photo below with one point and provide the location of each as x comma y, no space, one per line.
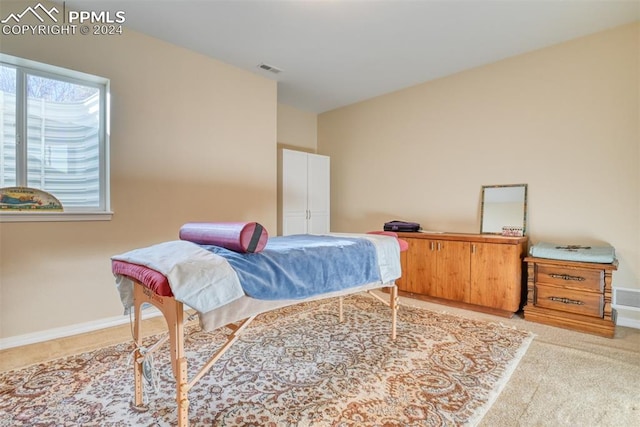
625,321
67,331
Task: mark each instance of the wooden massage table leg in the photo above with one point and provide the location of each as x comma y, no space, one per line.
137,355
174,316
393,305
173,312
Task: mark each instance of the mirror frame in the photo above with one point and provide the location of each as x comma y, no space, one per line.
524,213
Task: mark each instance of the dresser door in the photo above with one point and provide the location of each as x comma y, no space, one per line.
421,274
452,270
496,276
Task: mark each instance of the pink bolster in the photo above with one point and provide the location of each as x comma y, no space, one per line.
236,236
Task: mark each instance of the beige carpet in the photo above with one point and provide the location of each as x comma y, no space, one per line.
295,367
566,378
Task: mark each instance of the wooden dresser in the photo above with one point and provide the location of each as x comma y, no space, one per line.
476,271
570,294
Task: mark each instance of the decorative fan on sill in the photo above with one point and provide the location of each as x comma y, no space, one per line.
28,199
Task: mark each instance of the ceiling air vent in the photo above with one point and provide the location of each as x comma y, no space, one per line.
269,68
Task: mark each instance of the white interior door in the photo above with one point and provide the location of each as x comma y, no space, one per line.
319,195
294,192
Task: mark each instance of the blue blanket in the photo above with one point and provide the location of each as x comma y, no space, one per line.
301,266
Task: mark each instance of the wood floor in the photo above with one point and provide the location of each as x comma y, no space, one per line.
20,357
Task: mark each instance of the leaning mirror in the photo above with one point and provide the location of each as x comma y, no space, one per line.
504,209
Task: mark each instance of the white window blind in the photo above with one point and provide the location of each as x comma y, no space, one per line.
53,133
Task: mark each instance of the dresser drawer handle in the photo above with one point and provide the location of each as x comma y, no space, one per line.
567,277
566,300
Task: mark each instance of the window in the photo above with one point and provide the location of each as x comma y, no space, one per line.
53,136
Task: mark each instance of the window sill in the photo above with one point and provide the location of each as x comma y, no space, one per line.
23,216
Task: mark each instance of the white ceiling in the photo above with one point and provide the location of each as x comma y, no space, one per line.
334,53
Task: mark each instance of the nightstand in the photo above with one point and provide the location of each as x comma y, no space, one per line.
571,294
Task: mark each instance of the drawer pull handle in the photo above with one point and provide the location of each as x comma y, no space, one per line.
566,300
567,277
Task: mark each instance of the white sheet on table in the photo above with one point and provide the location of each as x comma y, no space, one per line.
197,277
246,306
165,256
387,251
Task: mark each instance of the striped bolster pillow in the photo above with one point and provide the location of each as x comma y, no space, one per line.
236,236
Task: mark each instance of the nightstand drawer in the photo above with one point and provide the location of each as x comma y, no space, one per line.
571,301
592,280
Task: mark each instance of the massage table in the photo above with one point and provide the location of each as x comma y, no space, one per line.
141,284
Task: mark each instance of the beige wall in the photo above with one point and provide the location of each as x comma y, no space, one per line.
563,119
297,129
181,151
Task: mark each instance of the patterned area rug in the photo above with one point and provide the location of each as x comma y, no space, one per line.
293,367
